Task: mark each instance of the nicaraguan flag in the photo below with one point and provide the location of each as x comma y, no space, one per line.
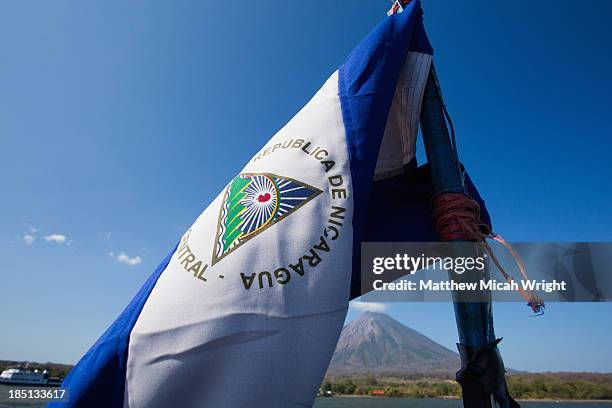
247,309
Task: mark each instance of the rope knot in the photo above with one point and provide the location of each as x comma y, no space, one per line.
457,216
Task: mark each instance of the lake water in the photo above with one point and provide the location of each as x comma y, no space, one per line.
5,402
434,403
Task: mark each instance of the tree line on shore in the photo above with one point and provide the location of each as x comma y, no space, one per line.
557,386
561,386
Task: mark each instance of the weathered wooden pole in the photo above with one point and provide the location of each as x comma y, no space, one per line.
482,375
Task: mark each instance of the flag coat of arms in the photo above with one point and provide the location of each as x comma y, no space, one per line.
247,309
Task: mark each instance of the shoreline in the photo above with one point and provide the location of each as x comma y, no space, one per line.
580,401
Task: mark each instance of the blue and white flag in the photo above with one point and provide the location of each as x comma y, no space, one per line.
247,309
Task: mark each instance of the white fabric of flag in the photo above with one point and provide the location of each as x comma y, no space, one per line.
247,310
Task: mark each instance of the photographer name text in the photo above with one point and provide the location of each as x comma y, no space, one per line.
483,284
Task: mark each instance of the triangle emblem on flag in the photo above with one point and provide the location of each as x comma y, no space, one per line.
253,202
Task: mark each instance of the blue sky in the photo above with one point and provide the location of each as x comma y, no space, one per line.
120,121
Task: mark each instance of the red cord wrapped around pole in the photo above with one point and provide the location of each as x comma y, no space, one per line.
452,212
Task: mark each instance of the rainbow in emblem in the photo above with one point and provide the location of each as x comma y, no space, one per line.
252,203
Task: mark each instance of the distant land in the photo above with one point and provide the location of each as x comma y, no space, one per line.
377,353
376,343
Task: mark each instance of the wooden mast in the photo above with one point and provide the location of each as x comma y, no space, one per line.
482,374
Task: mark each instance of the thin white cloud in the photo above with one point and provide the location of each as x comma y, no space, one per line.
368,306
57,238
29,239
29,235
108,236
125,259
